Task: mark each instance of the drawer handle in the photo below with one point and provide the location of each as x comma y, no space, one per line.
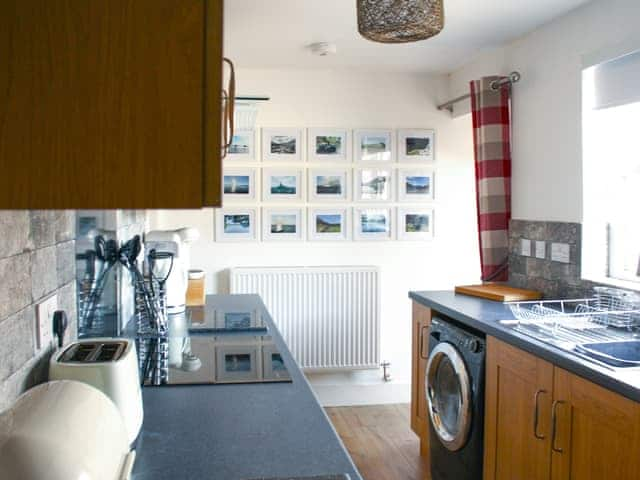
554,425
422,355
536,415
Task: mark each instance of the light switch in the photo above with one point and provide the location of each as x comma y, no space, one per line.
560,252
525,247
44,321
541,249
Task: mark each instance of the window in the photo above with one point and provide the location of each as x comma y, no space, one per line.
611,171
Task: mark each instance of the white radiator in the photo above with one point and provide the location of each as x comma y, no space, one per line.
328,316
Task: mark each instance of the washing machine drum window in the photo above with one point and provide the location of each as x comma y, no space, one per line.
448,392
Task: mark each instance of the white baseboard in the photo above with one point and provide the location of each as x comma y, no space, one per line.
354,394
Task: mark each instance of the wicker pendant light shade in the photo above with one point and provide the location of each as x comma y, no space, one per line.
399,21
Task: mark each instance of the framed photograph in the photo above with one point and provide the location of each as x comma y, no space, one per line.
373,185
415,185
415,223
329,185
282,184
373,145
281,144
373,224
242,146
330,224
239,184
328,145
282,224
416,146
236,224
273,364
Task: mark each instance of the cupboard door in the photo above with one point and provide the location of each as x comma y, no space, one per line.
598,432
517,414
101,102
420,354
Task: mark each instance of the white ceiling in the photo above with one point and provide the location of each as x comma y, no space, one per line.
275,33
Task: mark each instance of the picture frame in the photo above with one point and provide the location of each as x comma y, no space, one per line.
243,147
274,367
329,224
239,184
237,224
374,145
283,184
416,145
282,145
238,363
328,145
373,185
415,223
329,185
415,185
373,223
282,224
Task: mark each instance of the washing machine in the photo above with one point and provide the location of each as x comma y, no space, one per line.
454,387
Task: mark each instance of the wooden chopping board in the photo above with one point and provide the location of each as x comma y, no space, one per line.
499,293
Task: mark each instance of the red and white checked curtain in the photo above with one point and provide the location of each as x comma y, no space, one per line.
492,148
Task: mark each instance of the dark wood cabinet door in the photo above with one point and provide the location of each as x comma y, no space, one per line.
102,103
420,354
517,440
598,432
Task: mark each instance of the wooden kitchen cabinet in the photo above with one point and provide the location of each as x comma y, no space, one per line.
110,103
420,354
598,432
594,433
515,382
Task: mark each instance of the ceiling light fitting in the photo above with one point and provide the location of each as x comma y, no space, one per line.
400,21
323,49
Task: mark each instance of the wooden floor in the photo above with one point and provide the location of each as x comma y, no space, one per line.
380,441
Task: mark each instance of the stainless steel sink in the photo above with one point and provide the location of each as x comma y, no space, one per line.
621,354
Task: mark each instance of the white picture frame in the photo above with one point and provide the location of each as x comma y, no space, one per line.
415,185
238,363
327,145
371,228
374,146
283,224
420,227
324,226
289,186
239,185
243,147
416,145
329,185
282,145
237,229
373,185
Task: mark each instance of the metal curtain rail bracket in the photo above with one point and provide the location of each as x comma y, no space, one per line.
512,78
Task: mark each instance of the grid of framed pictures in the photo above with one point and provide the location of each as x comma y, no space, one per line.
328,184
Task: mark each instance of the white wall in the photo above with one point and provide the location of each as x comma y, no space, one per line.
547,159
308,98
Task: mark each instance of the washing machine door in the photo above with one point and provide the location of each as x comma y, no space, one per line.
448,391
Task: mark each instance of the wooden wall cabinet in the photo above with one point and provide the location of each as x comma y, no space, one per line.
110,103
420,353
542,422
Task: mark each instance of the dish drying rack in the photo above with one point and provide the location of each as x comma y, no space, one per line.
611,315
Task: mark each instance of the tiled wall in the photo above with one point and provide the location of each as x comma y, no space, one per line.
37,259
554,278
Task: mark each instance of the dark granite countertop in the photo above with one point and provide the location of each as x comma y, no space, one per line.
239,431
484,315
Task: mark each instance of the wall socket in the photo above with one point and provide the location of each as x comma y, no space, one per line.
44,321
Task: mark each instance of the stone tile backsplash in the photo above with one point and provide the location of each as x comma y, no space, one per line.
37,259
556,279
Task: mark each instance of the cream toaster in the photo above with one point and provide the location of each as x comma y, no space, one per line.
111,366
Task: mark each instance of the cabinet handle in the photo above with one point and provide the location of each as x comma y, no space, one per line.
422,355
229,96
535,415
554,425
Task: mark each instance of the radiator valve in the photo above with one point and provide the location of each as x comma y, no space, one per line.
386,371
